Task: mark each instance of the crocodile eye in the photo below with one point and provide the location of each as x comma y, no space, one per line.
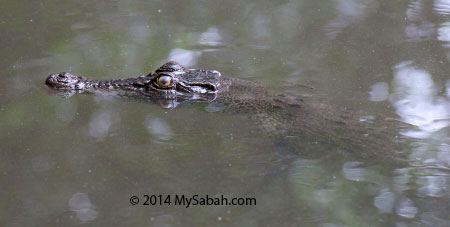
164,81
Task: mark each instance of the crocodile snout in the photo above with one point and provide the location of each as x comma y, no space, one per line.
64,81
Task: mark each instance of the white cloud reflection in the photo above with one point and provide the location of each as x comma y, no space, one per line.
348,12
418,27
159,128
413,11
419,31
82,206
379,92
187,58
447,90
211,37
434,186
351,171
100,124
405,208
442,7
444,33
384,201
416,101
261,26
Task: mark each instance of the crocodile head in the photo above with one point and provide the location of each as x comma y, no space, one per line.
169,83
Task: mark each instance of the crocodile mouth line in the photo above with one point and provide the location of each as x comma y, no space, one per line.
170,81
198,88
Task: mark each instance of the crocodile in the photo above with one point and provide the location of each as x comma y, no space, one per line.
280,115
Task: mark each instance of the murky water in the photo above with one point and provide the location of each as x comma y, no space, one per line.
78,160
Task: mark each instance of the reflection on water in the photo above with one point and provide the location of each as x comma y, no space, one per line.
352,173
159,128
100,124
348,11
405,208
82,206
434,186
444,33
185,57
442,6
384,201
211,37
418,28
416,101
379,92
77,160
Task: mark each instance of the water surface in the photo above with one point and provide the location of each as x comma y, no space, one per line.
78,160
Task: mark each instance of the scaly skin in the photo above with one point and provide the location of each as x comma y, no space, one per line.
294,120
279,115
